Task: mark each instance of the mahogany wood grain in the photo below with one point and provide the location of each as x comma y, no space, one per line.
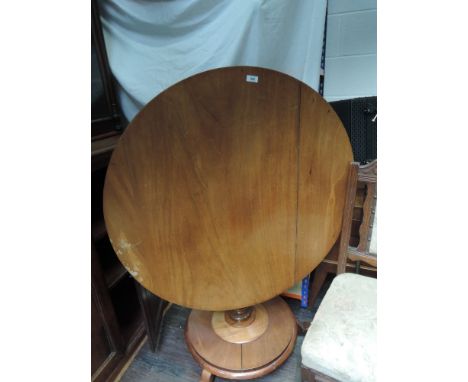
322,178
250,330
208,345
243,360
282,330
247,374
223,193
206,376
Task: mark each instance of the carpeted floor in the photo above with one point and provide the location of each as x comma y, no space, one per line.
174,363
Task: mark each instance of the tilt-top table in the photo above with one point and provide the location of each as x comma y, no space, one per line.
224,191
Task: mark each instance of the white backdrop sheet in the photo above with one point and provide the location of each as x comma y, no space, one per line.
152,45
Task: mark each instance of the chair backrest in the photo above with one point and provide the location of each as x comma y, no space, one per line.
366,174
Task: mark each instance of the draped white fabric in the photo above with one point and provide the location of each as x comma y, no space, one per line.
152,45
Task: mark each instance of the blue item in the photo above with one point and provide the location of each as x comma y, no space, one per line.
305,292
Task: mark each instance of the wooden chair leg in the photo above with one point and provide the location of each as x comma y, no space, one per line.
307,375
302,327
310,375
206,376
320,274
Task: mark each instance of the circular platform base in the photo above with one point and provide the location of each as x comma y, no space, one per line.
231,359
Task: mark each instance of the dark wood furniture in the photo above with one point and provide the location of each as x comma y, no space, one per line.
122,312
117,326
310,375
352,252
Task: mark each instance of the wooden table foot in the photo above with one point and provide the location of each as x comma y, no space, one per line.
237,355
206,376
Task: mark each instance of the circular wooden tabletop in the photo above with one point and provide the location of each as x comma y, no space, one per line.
227,188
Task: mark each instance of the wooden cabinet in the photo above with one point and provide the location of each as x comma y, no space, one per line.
122,311
117,326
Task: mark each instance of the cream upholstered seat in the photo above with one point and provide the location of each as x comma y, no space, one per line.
341,341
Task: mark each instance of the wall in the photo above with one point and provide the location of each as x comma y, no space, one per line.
351,50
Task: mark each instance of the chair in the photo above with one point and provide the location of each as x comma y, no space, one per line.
340,344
